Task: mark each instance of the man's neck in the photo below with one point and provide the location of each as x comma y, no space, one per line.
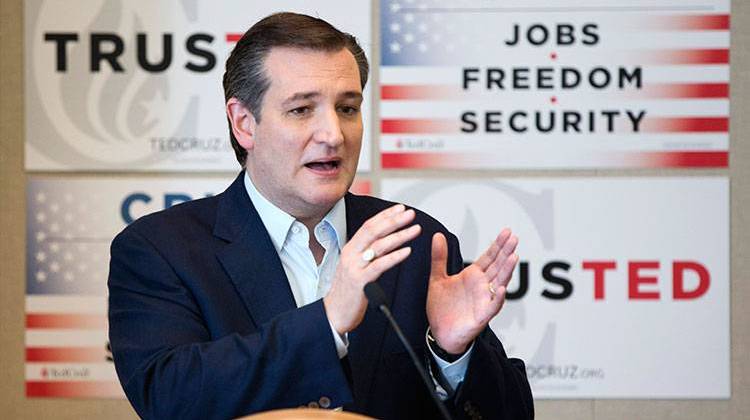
308,217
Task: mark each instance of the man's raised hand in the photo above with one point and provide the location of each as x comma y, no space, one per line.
459,307
375,248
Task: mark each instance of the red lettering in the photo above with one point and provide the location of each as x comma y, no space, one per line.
635,280
600,268
678,284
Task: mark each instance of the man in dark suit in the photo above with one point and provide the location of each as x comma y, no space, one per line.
253,299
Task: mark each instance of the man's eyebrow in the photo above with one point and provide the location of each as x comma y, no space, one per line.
299,96
351,94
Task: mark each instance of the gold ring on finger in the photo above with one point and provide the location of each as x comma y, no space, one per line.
493,292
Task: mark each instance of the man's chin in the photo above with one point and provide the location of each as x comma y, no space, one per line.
326,196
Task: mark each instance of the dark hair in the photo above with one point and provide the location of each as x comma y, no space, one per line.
244,76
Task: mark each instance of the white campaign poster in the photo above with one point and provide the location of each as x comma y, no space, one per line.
137,85
622,290
70,225
489,84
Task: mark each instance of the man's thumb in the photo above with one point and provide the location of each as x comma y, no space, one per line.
439,255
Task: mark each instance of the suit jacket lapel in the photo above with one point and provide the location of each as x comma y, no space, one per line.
250,258
254,267
366,341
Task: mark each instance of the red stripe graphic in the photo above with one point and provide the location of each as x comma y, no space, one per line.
234,36
424,160
685,125
685,90
696,159
73,389
78,321
414,92
688,22
692,56
418,126
66,354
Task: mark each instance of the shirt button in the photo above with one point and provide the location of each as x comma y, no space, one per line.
295,229
324,402
313,404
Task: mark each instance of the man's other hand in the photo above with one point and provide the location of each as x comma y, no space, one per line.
459,307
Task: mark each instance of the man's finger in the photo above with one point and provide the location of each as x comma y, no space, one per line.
381,225
393,240
510,246
484,261
497,303
439,256
506,270
379,265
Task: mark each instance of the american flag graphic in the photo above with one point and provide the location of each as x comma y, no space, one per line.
679,50
66,301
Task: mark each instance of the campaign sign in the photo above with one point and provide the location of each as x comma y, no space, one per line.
70,225
496,84
136,85
622,289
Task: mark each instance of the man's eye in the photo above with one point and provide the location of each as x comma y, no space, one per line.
300,111
348,110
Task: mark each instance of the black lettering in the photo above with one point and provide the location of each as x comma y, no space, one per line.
544,78
492,121
569,78
166,58
610,115
469,122
512,122
565,34
571,119
523,282
516,34
521,78
636,119
605,78
470,76
549,276
495,76
97,55
628,77
590,35
541,127
61,53
192,47
541,38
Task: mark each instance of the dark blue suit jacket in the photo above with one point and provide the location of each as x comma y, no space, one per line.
203,324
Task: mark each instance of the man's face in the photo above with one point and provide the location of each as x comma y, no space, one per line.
304,151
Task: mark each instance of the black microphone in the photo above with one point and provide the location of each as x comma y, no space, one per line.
376,297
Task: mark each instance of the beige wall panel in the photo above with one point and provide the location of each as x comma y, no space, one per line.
661,410
739,162
567,409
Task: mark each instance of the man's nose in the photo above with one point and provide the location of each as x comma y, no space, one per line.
329,129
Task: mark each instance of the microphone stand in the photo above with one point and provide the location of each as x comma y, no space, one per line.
376,296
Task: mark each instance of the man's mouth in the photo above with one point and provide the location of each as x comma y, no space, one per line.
324,165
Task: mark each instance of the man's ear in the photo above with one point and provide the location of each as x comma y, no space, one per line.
243,123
